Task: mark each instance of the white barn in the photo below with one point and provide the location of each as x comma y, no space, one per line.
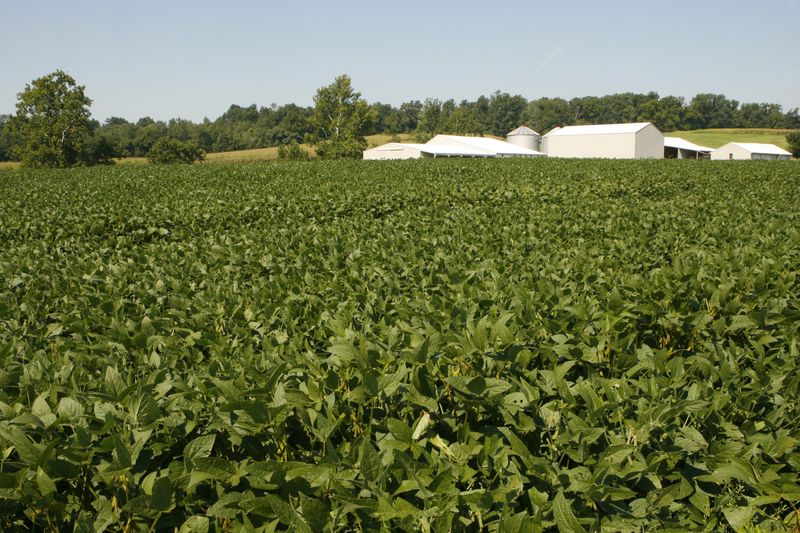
420,151
734,150
495,147
449,146
677,148
640,140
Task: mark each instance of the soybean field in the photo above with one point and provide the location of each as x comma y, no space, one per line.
448,345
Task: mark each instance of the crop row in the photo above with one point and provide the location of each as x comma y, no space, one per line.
427,345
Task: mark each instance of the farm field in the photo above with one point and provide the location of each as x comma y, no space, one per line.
714,138
449,345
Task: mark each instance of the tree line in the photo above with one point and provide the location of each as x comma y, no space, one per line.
246,127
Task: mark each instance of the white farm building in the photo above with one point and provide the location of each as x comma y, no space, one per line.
677,148
734,150
640,140
450,146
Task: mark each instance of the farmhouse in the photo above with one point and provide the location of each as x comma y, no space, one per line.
640,140
677,148
450,146
734,150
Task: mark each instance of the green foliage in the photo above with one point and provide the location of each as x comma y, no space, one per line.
51,124
292,152
340,120
6,141
439,345
167,150
793,140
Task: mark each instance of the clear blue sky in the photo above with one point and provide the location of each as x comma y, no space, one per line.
193,59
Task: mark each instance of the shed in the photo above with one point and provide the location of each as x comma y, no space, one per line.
641,140
735,150
450,146
677,148
495,147
395,151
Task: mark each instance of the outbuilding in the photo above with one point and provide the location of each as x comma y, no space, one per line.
641,140
495,147
736,150
449,146
677,148
395,151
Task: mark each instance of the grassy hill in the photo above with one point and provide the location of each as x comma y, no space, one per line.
714,138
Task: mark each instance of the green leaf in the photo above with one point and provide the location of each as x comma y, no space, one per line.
69,409
315,513
739,517
28,452
198,448
162,494
565,518
46,485
421,426
371,467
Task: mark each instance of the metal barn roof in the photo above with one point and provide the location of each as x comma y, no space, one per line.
761,148
485,144
677,142
598,129
522,130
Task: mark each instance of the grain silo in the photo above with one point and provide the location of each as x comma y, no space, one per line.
525,137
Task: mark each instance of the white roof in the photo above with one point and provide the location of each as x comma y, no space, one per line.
598,129
677,142
455,150
394,147
484,144
437,149
522,130
760,148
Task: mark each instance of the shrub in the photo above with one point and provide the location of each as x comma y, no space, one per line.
793,138
168,150
292,152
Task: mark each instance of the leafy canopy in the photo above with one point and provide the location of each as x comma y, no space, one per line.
793,139
340,120
52,122
167,150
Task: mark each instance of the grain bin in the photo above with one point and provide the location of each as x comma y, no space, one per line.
525,137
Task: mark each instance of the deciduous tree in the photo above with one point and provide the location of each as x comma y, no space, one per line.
52,124
340,120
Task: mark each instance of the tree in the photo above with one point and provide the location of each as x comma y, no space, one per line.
711,111
6,141
168,150
340,120
505,112
545,114
292,152
793,139
666,113
52,122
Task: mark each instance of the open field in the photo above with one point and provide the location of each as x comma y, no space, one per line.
426,345
717,137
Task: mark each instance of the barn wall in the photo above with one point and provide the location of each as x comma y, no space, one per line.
649,143
723,152
615,146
